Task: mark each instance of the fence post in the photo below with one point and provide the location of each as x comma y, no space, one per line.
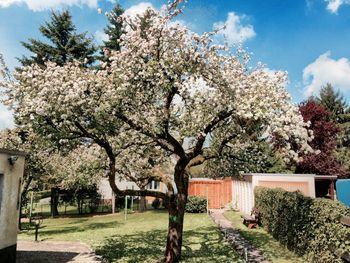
132,200
31,207
207,199
113,202
126,207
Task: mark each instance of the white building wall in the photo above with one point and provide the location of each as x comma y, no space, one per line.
10,184
242,196
243,189
106,191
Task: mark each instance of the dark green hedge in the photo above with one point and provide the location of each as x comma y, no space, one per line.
306,226
196,204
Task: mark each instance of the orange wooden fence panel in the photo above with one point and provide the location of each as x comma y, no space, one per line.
219,192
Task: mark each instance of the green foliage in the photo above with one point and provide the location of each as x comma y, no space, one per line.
65,44
196,204
156,203
114,30
333,102
271,248
258,157
307,226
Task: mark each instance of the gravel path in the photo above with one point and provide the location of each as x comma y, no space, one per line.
239,243
55,252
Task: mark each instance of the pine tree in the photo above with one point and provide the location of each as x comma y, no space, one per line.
114,30
65,44
333,102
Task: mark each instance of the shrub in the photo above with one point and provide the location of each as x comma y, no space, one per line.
196,204
156,203
307,226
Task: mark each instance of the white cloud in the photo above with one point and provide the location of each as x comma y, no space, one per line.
333,5
138,9
40,5
235,32
6,118
100,36
326,70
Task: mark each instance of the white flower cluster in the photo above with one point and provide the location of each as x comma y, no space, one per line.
165,82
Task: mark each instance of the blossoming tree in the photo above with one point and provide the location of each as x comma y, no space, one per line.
165,86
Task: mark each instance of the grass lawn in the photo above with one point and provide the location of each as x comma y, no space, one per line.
272,249
141,238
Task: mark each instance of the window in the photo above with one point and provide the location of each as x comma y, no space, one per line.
154,185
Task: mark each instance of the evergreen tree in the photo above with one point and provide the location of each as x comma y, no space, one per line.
333,102
114,30
65,44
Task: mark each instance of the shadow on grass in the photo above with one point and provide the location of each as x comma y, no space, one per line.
200,245
264,240
77,226
44,257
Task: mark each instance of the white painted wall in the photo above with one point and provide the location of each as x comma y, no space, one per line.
106,191
243,196
10,197
243,189
309,178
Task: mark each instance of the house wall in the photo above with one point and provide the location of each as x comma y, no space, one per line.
243,189
11,177
242,194
289,182
106,191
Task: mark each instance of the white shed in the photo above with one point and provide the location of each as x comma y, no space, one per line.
11,176
243,188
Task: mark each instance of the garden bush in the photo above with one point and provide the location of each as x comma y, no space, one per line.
306,226
156,203
196,204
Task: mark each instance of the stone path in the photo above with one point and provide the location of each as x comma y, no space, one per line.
240,244
55,252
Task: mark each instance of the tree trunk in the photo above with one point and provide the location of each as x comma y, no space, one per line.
54,202
23,197
142,204
176,210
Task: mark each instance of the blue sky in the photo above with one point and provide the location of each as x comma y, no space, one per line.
310,39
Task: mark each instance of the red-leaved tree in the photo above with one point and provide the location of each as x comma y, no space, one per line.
324,142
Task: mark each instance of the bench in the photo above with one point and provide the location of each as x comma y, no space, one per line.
252,220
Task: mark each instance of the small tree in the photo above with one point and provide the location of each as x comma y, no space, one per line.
164,85
77,173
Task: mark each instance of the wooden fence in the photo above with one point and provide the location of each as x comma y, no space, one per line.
218,192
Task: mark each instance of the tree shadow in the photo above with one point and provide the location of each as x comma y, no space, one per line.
262,239
76,227
203,244
45,256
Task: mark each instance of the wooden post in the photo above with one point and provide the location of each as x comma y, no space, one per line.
31,208
331,190
207,199
126,207
113,202
132,200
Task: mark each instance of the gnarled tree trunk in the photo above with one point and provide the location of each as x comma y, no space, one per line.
176,210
